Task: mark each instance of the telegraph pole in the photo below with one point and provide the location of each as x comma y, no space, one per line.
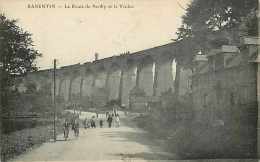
54,100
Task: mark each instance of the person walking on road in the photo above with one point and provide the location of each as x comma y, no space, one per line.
109,120
114,110
76,127
101,123
85,123
113,119
117,120
92,122
66,129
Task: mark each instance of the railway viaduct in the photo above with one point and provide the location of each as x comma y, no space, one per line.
153,71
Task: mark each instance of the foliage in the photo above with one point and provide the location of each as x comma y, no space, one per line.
206,17
188,134
18,142
31,87
17,55
31,101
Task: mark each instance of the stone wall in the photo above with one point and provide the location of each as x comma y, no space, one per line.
225,99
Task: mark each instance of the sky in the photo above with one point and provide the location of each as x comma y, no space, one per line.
74,35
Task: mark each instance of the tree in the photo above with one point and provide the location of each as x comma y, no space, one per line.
206,17
17,54
214,15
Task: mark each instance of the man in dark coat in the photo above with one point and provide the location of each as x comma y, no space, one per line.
109,120
101,123
92,122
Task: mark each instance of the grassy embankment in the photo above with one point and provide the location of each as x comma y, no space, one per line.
19,141
190,138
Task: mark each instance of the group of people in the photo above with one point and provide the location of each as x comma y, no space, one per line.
74,124
112,119
92,123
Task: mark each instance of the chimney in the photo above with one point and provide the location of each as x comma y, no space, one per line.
96,56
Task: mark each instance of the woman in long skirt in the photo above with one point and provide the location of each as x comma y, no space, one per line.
117,120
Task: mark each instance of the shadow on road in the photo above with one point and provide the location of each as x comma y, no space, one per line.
144,155
140,137
63,140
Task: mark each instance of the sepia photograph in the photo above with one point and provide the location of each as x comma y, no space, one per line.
129,81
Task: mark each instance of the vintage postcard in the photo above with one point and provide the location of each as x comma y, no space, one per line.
129,80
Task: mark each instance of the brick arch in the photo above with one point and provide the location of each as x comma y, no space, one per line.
88,82
64,88
165,71
145,75
113,81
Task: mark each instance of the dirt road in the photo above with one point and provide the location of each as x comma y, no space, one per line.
123,143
